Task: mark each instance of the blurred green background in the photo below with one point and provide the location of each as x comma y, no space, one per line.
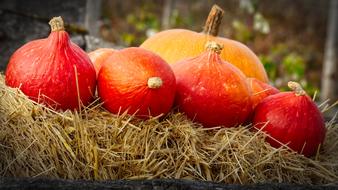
291,37
288,36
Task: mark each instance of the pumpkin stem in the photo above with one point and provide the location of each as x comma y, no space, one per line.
297,88
155,82
56,24
214,46
213,21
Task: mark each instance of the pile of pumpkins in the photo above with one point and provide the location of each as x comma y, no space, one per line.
213,80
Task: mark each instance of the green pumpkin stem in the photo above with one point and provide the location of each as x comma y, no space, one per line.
213,21
56,24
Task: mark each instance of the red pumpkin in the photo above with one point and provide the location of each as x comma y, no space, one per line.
291,118
53,71
212,91
136,80
99,56
260,90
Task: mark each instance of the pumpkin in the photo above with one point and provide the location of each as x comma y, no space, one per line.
53,71
99,56
176,44
292,119
212,91
260,90
137,81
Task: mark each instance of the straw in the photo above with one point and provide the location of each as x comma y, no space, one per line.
93,144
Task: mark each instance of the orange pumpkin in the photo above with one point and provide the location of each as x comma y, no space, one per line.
99,56
137,81
176,44
260,90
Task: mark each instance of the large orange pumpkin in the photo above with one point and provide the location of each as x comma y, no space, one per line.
176,44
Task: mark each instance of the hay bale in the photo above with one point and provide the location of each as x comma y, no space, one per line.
94,144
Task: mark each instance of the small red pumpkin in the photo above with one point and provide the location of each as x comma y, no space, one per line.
136,80
260,90
53,71
212,91
291,118
99,56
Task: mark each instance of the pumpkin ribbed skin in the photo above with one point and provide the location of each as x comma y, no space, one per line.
212,91
177,44
52,71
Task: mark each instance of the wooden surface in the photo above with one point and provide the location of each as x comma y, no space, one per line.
158,184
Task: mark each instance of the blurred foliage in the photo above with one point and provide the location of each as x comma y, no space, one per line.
288,43
281,63
283,66
144,20
261,24
179,20
242,31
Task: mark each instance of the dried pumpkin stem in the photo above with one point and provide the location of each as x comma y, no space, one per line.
155,82
213,21
297,88
214,46
56,24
